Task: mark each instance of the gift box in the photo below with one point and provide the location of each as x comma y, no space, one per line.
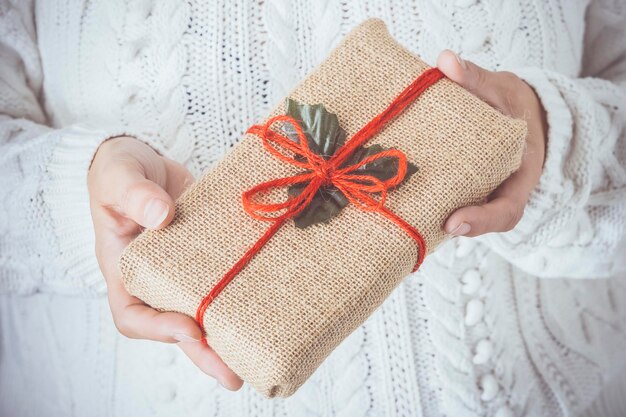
290,242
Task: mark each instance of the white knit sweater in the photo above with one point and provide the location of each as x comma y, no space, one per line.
489,326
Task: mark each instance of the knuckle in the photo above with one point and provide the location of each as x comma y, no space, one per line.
123,325
506,104
508,90
513,215
480,78
126,193
100,251
519,213
509,79
483,222
128,197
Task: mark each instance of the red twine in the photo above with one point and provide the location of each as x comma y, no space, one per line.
319,172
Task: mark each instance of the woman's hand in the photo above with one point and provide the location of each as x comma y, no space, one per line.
512,96
132,187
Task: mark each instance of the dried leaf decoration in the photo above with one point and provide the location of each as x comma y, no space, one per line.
325,136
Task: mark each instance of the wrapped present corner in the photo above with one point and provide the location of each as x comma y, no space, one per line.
276,294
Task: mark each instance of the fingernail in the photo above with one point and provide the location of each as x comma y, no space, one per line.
182,337
461,61
222,381
155,212
462,229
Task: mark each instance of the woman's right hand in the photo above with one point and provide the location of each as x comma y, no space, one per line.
131,187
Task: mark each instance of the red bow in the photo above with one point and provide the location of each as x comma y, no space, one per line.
357,188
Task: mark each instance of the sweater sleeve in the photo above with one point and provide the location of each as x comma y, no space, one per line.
574,225
46,234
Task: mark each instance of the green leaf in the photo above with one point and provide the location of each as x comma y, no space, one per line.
382,168
321,128
324,137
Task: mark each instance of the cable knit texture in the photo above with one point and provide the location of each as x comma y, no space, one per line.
526,323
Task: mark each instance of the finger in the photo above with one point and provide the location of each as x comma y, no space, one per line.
136,197
210,363
498,215
136,320
490,86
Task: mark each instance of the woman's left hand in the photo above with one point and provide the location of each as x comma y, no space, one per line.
512,96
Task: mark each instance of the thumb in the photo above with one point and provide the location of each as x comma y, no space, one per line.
498,215
485,84
146,203
142,200
128,177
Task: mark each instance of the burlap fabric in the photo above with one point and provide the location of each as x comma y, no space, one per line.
310,288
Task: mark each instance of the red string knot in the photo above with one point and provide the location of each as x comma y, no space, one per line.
325,172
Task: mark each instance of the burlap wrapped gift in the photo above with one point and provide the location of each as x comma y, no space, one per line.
308,289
